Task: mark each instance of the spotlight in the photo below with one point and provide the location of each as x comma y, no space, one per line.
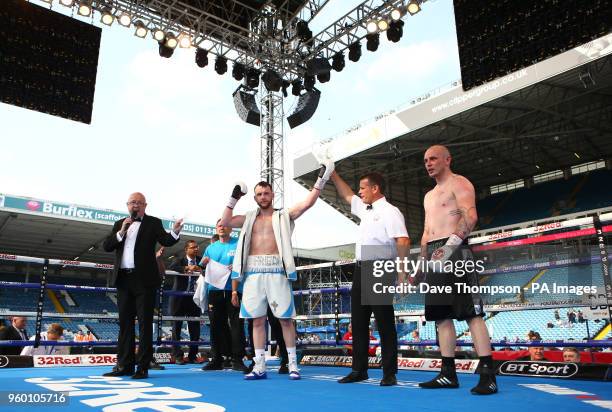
67,3
125,19
309,82
238,71
371,27
338,62
413,7
303,32
383,24
201,57
397,13
323,77
159,35
355,52
272,80
84,8
395,31
252,78
165,51
141,29
296,87
317,65
221,65
107,17
184,41
171,41
373,40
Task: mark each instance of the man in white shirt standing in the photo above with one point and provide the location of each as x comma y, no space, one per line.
382,236
53,333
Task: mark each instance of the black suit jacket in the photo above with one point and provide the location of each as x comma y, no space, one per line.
150,233
180,284
10,333
178,265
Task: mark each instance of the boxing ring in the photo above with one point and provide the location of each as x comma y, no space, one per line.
80,386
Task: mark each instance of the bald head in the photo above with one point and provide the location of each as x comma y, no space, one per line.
439,150
137,203
437,161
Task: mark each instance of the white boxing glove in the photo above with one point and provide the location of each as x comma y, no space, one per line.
444,253
240,190
327,168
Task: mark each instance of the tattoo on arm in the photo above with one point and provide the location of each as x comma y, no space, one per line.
464,227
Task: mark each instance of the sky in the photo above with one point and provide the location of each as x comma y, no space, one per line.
169,129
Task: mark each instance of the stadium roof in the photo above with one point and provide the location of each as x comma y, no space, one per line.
546,117
60,230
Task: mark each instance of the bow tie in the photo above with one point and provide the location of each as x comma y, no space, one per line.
137,219
369,207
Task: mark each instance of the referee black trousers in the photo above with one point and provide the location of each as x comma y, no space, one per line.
360,319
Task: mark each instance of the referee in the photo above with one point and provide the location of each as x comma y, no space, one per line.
382,235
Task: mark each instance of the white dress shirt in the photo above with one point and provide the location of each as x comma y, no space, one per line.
127,259
379,227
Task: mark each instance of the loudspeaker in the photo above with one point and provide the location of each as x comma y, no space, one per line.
246,107
306,107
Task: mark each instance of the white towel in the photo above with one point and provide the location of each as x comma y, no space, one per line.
200,298
217,274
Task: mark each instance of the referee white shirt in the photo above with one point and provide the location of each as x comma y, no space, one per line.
379,227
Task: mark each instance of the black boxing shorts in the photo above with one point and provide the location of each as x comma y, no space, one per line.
445,297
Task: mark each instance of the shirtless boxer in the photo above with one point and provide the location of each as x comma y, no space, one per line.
264,258
450,216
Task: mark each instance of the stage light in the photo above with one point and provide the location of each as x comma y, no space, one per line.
338,62
272,80
296,87
159,35
397,13
221,65
303,32
395,31
107,17
85,8
201,57
383,24
323,77
372,27
184,41
373,40
413,7
252,78
171,41
141,29
165,51
67,3
238,71
355,52
286,84
125,19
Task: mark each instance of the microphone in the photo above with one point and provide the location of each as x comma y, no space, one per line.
132,216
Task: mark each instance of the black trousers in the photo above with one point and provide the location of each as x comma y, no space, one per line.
134,301
360,319
185,306
226,327
276,331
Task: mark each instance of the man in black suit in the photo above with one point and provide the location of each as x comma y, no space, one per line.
184,305
16,331
136,277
